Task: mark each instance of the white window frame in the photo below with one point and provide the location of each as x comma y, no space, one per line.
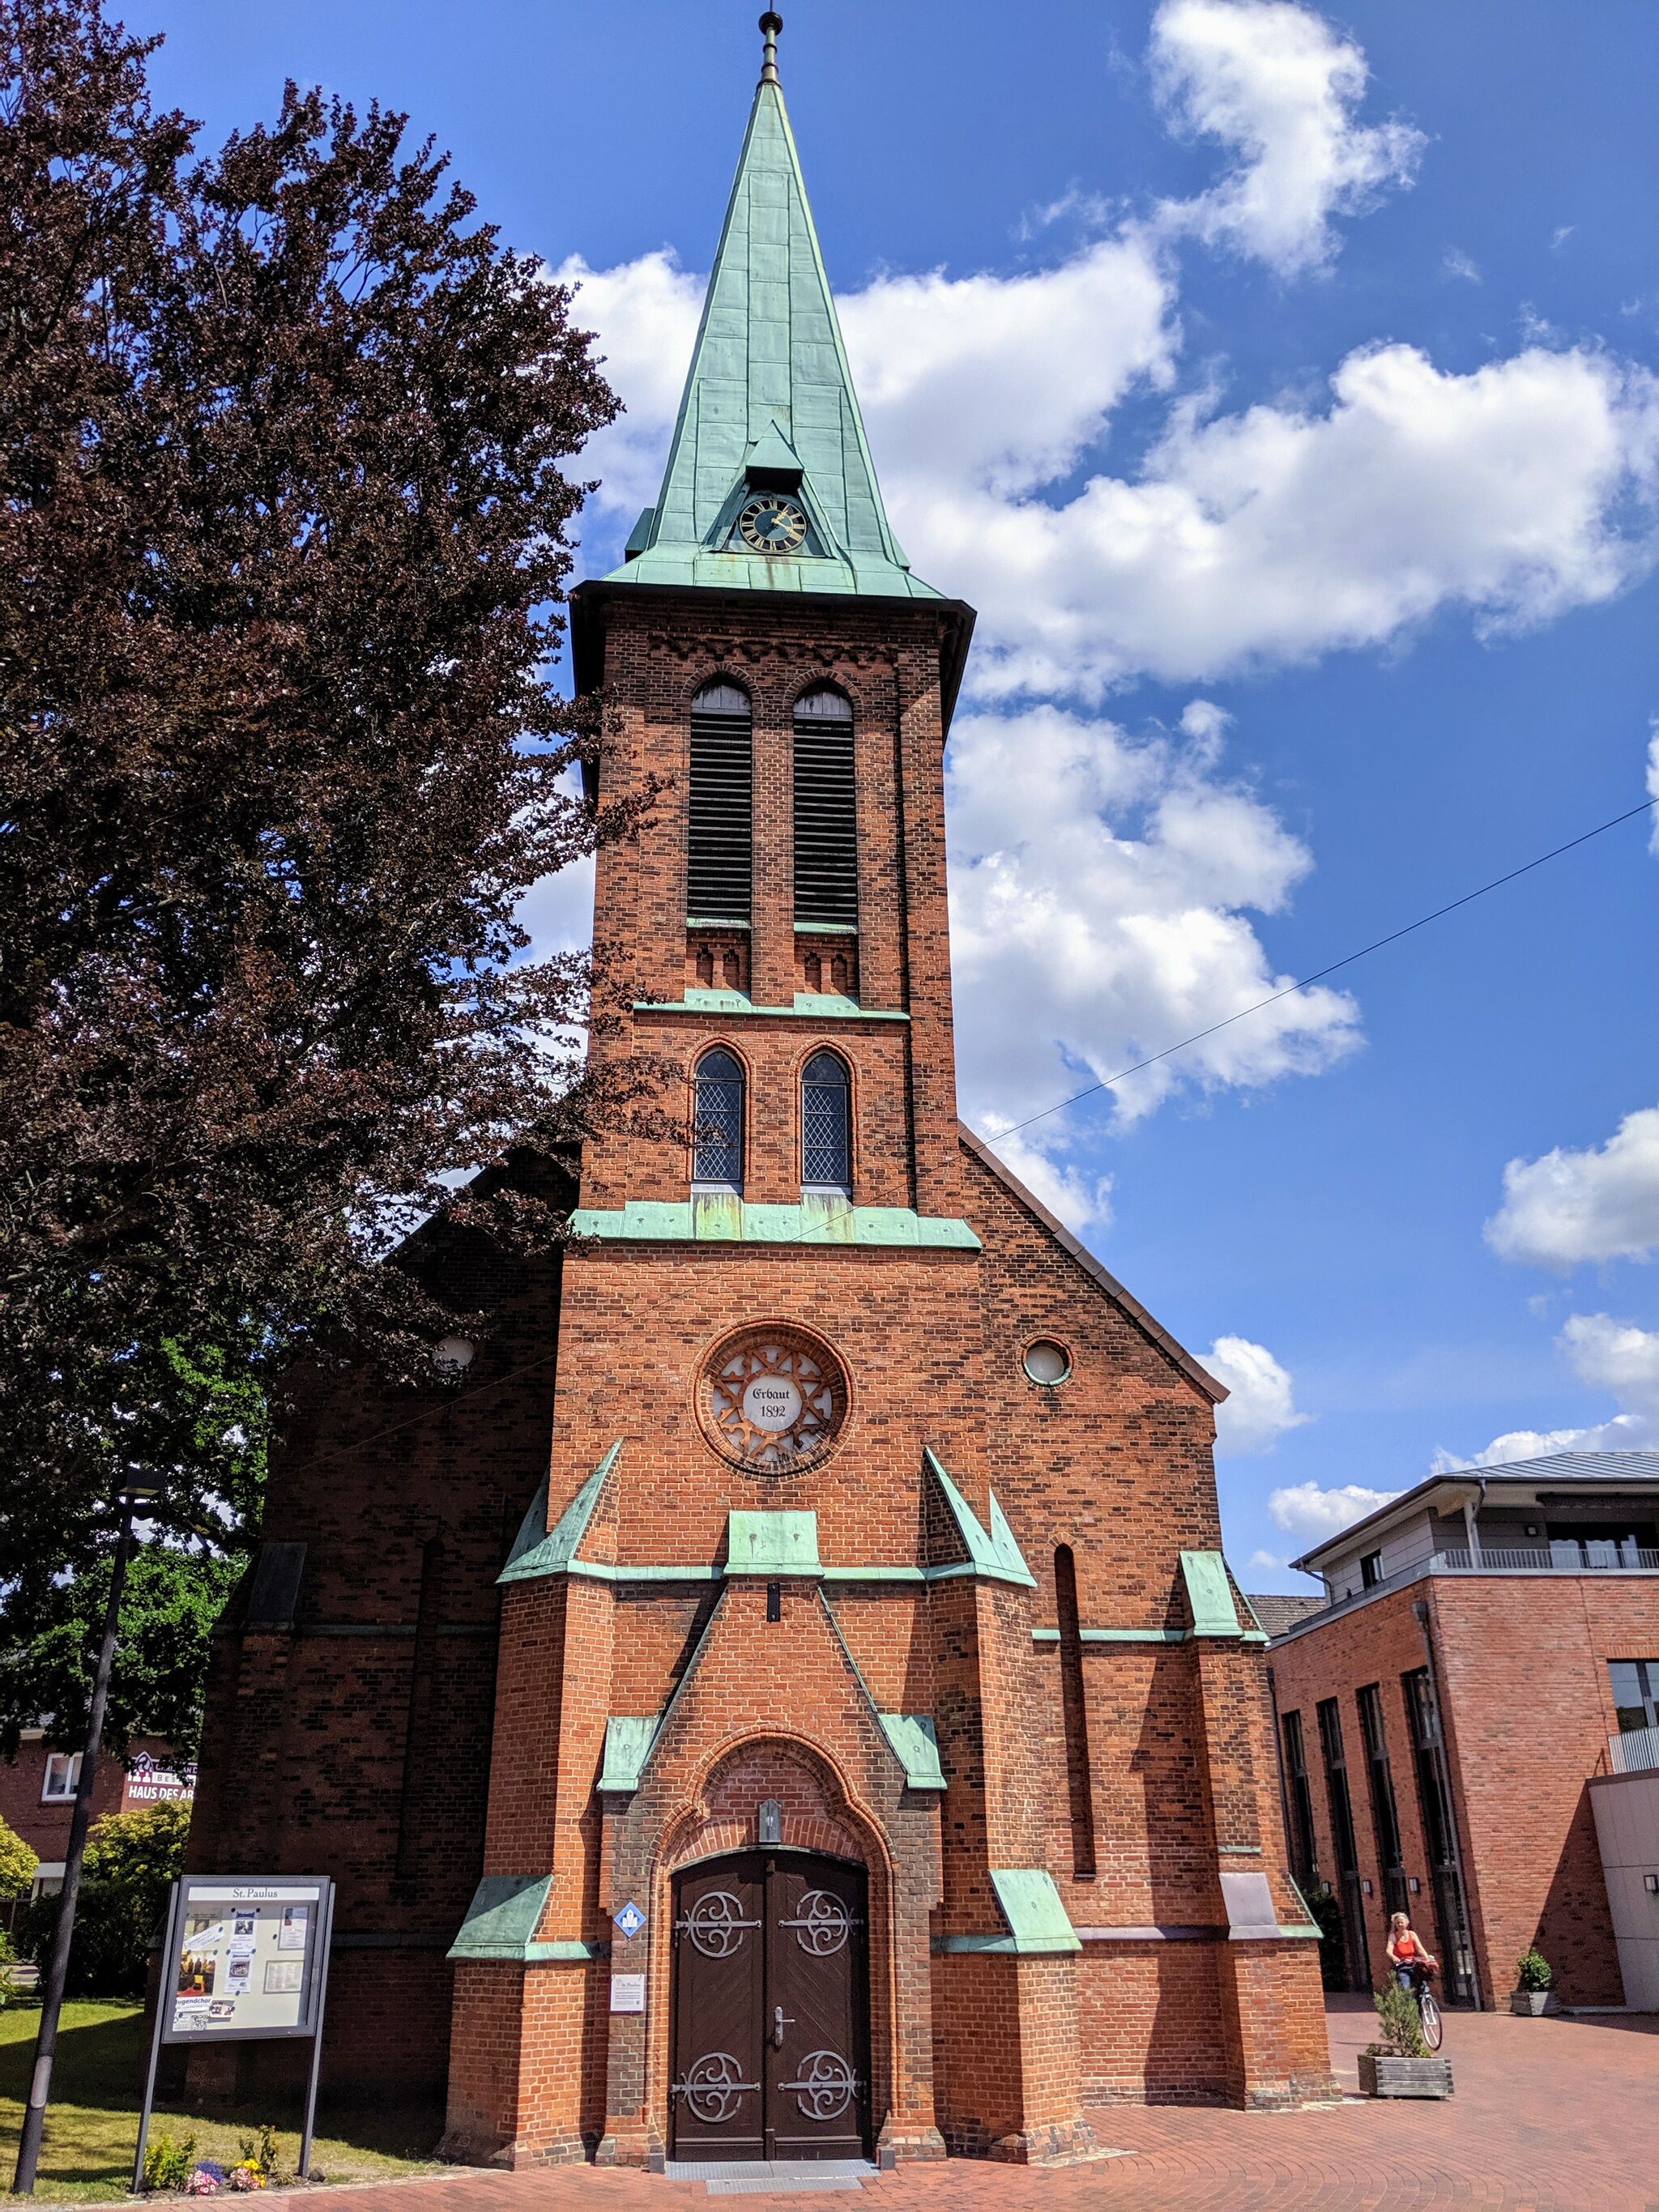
66,1764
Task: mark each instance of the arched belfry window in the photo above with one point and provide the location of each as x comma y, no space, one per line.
717,1121
721,814
826,1124
826,811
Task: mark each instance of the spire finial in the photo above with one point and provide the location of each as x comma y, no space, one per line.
771,23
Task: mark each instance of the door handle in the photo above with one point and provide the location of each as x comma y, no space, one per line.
778,2023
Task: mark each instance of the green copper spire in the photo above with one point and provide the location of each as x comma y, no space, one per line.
768,413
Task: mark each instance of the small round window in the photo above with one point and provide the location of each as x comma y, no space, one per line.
1048,1362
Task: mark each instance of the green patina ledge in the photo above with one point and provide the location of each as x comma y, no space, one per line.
1038,1922
771,1545
501,1921
717,1218
994,1556
809,1005
1209,1589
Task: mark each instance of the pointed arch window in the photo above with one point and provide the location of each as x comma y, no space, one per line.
717,1122
826,1124
720,811
826,811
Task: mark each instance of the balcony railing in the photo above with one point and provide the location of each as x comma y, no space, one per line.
1590,1559
1634,1752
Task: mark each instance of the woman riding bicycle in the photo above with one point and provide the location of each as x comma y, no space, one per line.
1407,1955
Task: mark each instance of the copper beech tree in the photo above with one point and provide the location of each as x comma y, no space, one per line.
285,528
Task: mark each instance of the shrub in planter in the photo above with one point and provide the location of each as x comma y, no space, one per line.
1398,2063
1533,1977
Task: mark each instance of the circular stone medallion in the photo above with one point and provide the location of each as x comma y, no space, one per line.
773,1399
772,1402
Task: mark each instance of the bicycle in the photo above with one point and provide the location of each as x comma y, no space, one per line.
1428,2008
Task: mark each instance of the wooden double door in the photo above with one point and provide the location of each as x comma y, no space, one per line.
771,2056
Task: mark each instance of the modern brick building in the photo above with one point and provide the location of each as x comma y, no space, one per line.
790,1701
37,1792
1487,1649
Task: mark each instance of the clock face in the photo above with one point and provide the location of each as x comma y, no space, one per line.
772,523
773,1399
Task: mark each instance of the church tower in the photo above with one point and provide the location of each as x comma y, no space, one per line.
878,1758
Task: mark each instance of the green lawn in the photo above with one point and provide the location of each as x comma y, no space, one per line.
98,2084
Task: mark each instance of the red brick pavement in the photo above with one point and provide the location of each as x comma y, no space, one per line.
1548,2113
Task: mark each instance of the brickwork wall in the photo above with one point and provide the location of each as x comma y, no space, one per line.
1000,2052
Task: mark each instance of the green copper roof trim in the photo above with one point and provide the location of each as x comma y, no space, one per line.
627,1740
769,389
772,1544
1114,1635
1038,1922
1209,1592
1037,1919
501,1921
700,999
731,1220
916,1741
601,1570
996,1556
538,1550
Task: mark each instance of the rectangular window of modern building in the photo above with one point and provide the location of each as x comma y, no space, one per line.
1350,1897
1303,1851
62,1772
1434,1802
1635,1692
1370,1569
1385,1814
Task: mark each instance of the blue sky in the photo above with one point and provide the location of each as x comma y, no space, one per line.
1281,388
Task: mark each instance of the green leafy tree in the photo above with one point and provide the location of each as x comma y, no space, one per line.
132,1860
17,1863
284,533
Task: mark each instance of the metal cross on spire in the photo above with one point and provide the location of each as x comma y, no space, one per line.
771,23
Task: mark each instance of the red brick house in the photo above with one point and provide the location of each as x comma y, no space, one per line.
790,1701
37,1792
1488,1644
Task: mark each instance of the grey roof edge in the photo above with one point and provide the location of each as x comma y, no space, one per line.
1594,1467
1173,1349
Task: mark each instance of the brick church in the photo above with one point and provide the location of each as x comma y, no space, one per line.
789,1701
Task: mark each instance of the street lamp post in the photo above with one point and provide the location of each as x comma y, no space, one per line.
51,1996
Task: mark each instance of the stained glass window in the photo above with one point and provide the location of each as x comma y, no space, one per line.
826,1136
717,1132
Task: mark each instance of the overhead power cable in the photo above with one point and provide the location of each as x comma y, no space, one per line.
1393,936
1107,1083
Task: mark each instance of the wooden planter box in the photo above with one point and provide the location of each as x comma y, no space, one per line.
1533,2001
1404,2077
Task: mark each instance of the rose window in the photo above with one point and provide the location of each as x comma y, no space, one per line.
774,1400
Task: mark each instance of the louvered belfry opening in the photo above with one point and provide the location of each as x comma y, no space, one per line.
720,839
826,813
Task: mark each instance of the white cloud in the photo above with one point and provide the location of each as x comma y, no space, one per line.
1611,1355
1269,1562
1261,1405
1099,885
1653,781
1305,1509
1277,86
1003,382
1568,1207
645,314
1454,262
1287,530
1082,1199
